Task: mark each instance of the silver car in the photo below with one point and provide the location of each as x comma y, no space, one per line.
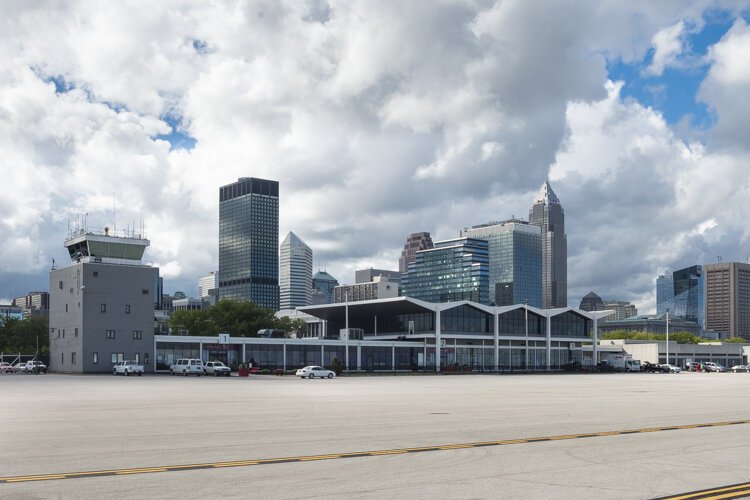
740,368
315,372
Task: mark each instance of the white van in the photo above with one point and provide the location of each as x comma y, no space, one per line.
187,367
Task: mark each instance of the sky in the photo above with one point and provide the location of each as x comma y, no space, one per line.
379,119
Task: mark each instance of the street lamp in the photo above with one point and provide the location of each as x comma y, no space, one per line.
526,317
667,336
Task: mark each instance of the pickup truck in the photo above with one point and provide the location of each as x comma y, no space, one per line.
35,367
127,367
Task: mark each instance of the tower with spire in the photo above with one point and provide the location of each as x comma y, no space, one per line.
547,213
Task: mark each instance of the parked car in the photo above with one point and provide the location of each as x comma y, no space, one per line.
666,367
19,368
315,372
694,367
216,368
740,368
6,367
187,367
35,367
713,367
127,367
573,366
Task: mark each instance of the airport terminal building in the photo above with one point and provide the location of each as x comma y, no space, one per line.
403,333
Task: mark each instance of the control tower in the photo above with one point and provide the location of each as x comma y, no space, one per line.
102,304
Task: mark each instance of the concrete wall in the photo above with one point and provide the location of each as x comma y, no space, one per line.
101,297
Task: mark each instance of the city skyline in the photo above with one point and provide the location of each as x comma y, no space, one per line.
634,113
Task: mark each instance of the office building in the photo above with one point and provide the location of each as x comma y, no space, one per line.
379,288
102,304
369,275
664,293
249,241
295,273
728,298
515,253
414,243
548,214
33,304
689,292
453,270
621,309
591,302
323,285
208,282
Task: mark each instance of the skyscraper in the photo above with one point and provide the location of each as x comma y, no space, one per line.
689,294
453,270
548,214
295,273
414,243
249,241
591,302
664,293
208,282
728,298
323,285
515,252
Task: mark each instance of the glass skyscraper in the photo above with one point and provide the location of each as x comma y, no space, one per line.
453,270
547,213
688,294
515,258
664,293
249,241
295,273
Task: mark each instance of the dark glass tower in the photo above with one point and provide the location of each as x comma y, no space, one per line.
688,294
249,241
548,214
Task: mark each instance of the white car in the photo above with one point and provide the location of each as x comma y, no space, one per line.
19,368
740,368
216,368
671,368
315,372
187,367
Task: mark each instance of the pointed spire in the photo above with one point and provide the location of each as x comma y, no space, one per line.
546,195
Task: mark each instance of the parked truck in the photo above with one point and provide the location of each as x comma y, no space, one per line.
127,367
621,362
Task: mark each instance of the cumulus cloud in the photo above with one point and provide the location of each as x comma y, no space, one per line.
668,46
377,121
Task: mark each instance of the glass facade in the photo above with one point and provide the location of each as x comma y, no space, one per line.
249,241
466,319
570,324
323,285
664,293
515,258
688,294
453,270
514,323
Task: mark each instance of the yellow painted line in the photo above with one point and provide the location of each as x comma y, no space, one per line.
370,453
36,478
723,492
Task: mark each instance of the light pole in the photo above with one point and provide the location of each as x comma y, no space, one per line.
667,336
346,326
526,318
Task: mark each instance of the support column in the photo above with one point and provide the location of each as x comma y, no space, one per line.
549,343
322,355
393,357
359,357
438,339
595,346
283,350
497,342
244,358
200,350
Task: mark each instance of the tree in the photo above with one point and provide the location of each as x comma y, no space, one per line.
237,318
292,327
20,335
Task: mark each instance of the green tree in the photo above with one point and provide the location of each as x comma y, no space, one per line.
21,335
237,318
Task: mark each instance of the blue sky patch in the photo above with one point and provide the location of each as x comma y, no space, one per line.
674,92
176,138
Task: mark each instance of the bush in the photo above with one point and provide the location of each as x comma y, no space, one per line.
337,366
